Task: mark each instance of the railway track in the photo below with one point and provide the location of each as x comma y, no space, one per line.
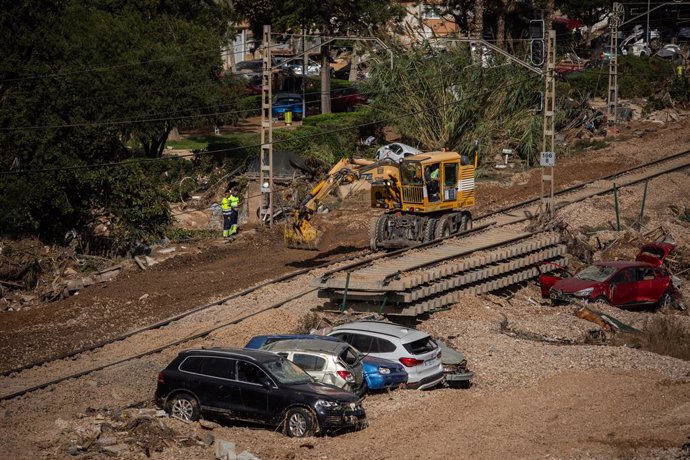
438,274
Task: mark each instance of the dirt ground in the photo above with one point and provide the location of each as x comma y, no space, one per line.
529,398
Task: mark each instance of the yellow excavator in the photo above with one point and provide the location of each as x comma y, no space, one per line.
426,196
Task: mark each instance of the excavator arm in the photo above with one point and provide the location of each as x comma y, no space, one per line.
299,233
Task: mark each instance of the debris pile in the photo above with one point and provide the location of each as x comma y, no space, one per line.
31,273
134,432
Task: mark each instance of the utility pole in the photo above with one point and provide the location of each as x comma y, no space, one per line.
305,66
612,103
548,155
266,160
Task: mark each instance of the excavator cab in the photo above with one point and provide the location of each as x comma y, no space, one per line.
429,200
429,183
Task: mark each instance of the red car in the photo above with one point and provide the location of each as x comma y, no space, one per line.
643,282
346,99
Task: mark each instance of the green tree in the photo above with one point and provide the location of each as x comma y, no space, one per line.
89,82
450,101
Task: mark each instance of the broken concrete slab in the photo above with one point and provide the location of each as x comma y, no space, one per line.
225,450
209,425
150,261
140,262
246,455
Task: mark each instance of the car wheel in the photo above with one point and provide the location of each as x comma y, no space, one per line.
184,407
299,423
665,301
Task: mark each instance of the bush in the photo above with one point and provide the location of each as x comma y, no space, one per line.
329,137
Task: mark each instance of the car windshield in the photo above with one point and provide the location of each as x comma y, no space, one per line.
288,373
595,273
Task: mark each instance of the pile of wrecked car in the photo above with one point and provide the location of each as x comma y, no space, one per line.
307,384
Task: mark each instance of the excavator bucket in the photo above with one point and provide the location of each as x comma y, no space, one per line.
300,234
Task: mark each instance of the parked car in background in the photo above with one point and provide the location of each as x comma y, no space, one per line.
287,102
570,63
327,361
414,349
396,152
379,373
643,282
255,386
346,99
313,68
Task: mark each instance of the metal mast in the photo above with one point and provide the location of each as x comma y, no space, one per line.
548,156
266,159
615,22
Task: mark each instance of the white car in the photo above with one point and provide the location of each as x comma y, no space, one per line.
396,152
414,349
332,362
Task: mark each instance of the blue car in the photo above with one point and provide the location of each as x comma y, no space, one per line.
379,373
287,102
382,373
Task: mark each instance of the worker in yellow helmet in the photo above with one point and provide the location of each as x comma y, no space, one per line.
227,216
233,202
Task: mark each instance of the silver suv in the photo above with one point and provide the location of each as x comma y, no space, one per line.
416,350
326,361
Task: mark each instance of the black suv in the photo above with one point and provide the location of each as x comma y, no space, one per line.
255,386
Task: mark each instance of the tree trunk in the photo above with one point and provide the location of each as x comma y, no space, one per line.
548,17
325,80
478,20
500,27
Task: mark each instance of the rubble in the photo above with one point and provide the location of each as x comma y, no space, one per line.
225,450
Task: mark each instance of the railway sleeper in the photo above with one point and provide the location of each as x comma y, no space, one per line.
424,290
445,300
485,272
389,307
435,273
391,276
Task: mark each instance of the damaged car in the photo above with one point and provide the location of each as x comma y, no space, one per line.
379,373
327,361
255,386
455,372
414,349
643,282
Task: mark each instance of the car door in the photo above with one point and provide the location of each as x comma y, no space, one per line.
659,285
215,384
449,190
256,389
645,285
624,287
